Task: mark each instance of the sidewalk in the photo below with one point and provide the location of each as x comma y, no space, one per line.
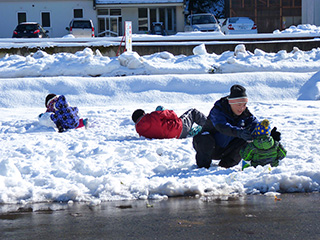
291,216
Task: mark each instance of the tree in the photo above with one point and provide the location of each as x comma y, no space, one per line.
216,7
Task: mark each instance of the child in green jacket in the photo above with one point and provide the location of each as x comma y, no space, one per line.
265,147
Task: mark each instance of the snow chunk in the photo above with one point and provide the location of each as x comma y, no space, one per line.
68,36
240,51
130,60
166,55
200,50
40,54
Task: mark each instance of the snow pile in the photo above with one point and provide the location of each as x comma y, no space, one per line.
89,63
303,28
109,161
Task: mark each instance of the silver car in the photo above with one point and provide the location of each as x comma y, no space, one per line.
239,25
81,28
202,22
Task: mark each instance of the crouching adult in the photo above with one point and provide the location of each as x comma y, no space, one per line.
227,129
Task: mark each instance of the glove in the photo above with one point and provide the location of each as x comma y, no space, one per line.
194,131
160,108
275,134
245,134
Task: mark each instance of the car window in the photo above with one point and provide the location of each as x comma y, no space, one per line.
196,20
81,24
26,27
233,20
205,19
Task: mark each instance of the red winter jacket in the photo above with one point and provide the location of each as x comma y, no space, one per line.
159,125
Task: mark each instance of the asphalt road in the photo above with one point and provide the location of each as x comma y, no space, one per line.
290,216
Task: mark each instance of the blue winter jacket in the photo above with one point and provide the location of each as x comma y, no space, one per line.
226,124
64,116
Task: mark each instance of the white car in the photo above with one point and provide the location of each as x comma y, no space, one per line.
239,25
202,22
81,28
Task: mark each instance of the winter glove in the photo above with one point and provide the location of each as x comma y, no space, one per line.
194,131
245,134
160,108
275,134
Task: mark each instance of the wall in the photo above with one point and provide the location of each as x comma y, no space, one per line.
130,14
180,19
310,12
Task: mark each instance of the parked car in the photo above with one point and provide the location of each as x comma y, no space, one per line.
81,28
157,28
239,25
30,30
203,22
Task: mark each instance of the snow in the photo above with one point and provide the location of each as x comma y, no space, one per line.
303,28
109,161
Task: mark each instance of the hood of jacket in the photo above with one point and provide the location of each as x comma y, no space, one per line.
264,142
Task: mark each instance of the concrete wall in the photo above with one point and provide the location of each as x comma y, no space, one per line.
61,13
186,49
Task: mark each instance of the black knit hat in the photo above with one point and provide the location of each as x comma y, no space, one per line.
49,98
237,91
137,114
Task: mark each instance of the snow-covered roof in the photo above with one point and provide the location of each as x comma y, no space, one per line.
137,1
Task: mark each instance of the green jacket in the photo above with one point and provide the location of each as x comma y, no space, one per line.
262,151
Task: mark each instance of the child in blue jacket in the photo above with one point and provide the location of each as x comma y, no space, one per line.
63,116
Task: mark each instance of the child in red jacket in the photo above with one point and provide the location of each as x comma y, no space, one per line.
163,123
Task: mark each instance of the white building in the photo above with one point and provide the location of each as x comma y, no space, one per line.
111,15
53,15
108,16
310,12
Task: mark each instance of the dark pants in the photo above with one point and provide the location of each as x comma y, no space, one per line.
189,118
207,150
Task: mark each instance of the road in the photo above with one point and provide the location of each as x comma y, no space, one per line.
290,216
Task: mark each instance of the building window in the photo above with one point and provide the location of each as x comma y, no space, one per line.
149,15
22,17
109,22
115,12
78,13
143,19
45,19
103,11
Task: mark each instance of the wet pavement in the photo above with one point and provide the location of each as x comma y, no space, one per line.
289,216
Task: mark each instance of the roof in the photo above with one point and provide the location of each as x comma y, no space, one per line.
137,1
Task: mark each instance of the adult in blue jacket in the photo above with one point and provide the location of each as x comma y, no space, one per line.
227,129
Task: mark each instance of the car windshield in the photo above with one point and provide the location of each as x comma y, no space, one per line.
81,24
240,20
27,27
203,19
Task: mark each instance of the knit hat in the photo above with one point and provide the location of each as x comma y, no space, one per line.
237,92
137,114
49,98
262,128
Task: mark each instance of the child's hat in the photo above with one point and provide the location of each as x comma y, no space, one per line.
262,128
49,98
137,114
